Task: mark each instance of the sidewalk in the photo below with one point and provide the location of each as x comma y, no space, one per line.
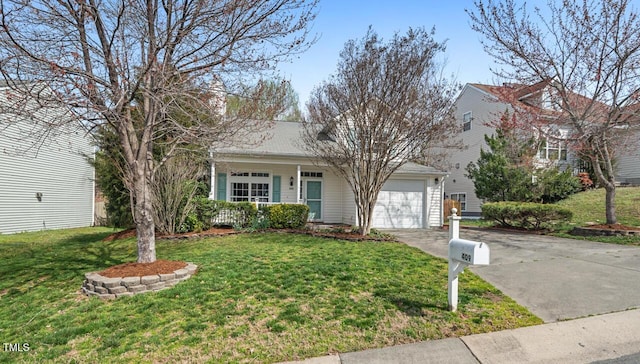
610,338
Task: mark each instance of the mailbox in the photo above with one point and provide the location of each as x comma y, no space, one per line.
461,254
469,252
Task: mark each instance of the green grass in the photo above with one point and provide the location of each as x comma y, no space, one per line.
589,206
256,298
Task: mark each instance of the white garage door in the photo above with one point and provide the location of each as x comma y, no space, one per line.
400,205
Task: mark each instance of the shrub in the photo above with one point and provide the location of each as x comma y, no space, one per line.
527,215
556,185
287,216
585,181
191,224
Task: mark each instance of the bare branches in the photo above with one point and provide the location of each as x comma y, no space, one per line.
385,106
588,53
144,68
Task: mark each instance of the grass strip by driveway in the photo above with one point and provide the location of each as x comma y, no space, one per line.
256,298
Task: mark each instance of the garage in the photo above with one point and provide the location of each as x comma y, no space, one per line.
400,205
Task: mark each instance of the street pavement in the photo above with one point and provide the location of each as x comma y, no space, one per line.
587,293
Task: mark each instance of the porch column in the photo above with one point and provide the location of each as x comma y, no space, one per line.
298,185
212,192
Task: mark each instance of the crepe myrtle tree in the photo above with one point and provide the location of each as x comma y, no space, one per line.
386,105
141,67
588,54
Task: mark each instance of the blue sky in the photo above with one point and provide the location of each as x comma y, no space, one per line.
341,20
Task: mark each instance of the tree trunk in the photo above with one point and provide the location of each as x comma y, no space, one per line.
143,217
610,199
609,183
365,221
365,214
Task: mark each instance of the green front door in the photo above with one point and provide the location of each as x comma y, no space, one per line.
314,199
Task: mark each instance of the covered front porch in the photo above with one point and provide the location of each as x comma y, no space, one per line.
294,183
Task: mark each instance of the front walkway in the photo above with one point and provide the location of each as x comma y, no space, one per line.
555,278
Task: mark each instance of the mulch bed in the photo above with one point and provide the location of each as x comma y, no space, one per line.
143,269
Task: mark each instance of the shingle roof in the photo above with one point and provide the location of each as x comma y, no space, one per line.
416,168
284,139
281,139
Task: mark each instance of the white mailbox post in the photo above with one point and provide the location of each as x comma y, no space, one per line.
461,254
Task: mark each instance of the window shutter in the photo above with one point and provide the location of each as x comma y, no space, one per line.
222,186
277,185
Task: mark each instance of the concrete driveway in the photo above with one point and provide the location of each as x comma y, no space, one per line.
555,278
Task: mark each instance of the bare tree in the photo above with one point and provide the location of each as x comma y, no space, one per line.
588,55
278,101
385,106
174,189
133,63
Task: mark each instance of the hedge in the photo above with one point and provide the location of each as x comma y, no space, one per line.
287,216
242,215
527,215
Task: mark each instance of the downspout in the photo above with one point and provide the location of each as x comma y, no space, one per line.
93,188
212,195
298,197
442,199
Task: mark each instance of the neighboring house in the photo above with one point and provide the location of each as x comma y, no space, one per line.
479,106
628,163
45,179
279,170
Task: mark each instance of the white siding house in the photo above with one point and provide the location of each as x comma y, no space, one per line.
278,170
478,107
47,183
475,107
628,163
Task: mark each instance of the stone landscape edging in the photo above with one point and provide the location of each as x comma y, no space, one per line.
108,288
589,231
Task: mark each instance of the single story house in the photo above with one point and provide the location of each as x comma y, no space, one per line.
279,170
46,181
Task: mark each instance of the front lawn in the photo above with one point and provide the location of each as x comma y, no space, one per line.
256,298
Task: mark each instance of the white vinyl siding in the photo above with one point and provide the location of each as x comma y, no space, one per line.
484,109
349,210
434,202
57,169
628,166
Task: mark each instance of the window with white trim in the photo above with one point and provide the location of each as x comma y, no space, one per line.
311,174
553,148
462,198
239,191
466,121
249,186
260,192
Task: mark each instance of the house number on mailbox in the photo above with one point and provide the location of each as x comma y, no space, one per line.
466,257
